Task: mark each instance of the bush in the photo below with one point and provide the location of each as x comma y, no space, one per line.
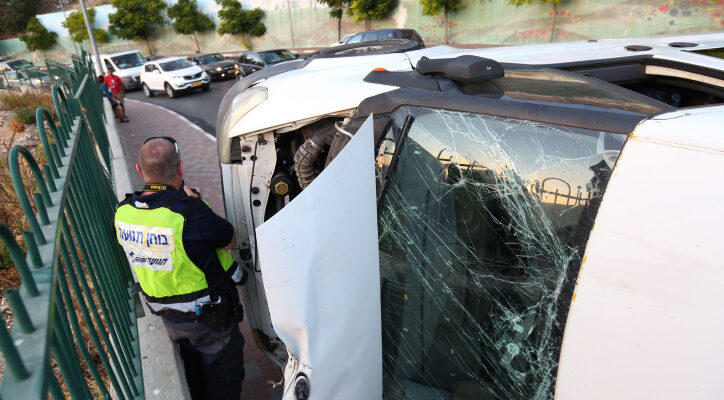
26,114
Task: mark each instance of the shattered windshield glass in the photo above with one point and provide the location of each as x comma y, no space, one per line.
481,233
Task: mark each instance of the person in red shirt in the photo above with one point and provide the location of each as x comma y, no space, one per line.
116,86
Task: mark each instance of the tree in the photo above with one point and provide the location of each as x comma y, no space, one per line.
336,10
367,10
554,26
134,19
433,7
37,37
75,24
188,20
237,21
16,14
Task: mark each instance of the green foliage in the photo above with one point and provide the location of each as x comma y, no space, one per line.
366,10
336,7
16,14
188,19
237,21
25,114
23,103
519,3
75,24
134,19
433,7
37,37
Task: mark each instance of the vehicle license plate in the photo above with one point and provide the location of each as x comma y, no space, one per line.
196,83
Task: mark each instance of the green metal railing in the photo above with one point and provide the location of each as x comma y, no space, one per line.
75,302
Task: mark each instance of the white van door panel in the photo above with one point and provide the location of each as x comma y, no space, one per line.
320,262
646,318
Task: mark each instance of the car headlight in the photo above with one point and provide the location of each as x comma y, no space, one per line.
239,107
203,74
177,78
218,68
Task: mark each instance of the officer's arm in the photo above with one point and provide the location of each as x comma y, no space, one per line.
232,243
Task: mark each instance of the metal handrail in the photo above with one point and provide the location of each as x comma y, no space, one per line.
74,278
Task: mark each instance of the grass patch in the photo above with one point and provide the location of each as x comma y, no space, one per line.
25,103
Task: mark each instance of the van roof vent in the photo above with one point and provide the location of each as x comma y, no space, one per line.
637,47
683,44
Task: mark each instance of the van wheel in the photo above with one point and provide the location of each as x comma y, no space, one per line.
170,92
148,92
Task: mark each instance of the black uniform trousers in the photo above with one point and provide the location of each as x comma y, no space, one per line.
213,361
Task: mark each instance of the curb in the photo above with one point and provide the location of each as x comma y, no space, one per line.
163,373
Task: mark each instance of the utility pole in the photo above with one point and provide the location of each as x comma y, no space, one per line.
291,28
71,37
98,68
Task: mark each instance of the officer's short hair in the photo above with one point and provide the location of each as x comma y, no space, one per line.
158,160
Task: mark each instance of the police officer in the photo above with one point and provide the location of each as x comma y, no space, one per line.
176,245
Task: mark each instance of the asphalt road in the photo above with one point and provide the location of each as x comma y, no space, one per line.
199,107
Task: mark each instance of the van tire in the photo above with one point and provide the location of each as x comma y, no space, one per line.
148,92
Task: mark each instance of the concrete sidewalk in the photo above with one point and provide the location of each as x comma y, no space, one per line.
201,168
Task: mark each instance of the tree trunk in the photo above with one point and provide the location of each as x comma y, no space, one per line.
150,49
339,29
368,23
444,38
554,27
198,48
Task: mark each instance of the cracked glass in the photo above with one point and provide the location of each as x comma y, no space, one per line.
482,227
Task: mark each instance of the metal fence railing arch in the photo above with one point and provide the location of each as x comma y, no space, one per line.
75,332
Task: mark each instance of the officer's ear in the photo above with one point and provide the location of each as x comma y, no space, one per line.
138,168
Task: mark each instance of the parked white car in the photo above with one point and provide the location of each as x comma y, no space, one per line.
504,223
172,75
126,65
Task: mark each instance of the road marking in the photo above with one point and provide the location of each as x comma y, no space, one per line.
208,135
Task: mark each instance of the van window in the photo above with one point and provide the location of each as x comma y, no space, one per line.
129,60
481,233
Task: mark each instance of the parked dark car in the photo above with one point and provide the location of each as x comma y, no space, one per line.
381,34
255,60
215,65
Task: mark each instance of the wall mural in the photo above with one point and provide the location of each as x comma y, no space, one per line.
479,22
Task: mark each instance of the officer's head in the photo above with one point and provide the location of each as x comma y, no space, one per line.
159,162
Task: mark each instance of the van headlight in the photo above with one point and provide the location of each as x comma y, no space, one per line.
240,106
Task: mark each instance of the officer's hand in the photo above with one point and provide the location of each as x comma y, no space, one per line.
192,191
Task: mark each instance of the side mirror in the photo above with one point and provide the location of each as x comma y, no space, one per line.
194,63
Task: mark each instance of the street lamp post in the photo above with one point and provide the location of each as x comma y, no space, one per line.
71,37
92,38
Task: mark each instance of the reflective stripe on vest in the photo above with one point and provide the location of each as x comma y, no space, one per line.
152,241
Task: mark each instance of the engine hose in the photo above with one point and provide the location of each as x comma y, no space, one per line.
305,157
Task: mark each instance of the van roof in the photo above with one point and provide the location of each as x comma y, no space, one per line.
120,53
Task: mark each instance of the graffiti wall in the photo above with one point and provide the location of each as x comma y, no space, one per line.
304,23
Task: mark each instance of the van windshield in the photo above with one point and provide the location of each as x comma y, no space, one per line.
129,60
481,235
